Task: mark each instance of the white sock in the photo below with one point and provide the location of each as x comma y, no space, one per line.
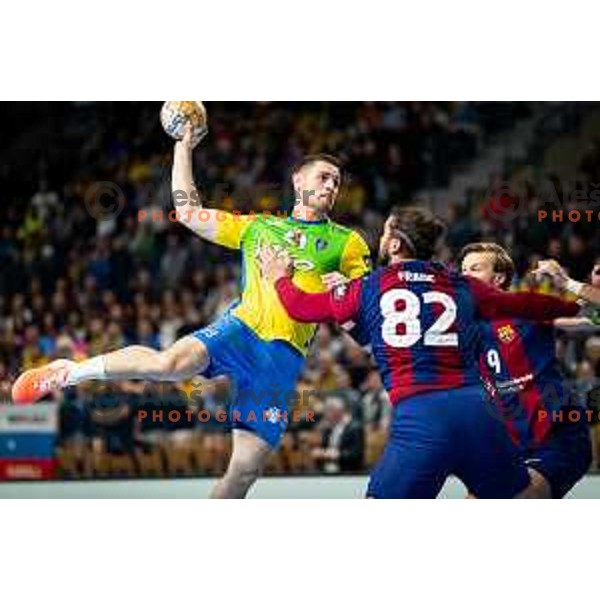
92,368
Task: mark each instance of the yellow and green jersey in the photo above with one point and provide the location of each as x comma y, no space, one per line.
316,248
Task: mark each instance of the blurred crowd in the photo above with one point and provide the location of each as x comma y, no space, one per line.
74,285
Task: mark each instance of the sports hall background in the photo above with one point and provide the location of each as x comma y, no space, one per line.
79,277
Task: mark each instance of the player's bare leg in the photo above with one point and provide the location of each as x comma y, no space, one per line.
538,488
248,458
184,359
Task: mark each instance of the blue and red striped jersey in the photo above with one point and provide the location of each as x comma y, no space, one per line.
518,362
421,320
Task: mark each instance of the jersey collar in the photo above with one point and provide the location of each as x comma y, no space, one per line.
303,222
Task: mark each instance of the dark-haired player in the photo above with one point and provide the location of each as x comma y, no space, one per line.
422,321
256,344
518,362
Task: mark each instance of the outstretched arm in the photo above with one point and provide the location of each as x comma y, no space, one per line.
573,322
553,269
496,304
341,304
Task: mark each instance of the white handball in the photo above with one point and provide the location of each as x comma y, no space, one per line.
174,115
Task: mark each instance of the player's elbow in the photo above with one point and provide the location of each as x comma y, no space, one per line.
300,306
203,230
302,317
293,310
184,198
296,309
306,314
179,197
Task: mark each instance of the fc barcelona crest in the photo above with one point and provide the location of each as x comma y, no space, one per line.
506,334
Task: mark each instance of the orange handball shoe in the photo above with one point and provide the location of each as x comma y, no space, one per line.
37,383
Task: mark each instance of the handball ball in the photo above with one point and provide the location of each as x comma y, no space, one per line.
174,114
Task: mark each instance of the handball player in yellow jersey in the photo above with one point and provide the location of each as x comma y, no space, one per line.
256,344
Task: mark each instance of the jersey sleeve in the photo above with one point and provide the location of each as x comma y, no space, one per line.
230,228
341,305
496,304
356,257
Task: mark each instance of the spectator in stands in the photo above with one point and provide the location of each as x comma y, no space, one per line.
342,441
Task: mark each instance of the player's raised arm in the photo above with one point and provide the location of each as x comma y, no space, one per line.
214,225
493,303
339,305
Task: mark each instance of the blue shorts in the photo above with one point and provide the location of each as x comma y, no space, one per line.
565,456
263,374
452,432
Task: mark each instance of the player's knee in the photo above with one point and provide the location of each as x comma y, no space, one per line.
538,488
182,360
167,365
244,471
